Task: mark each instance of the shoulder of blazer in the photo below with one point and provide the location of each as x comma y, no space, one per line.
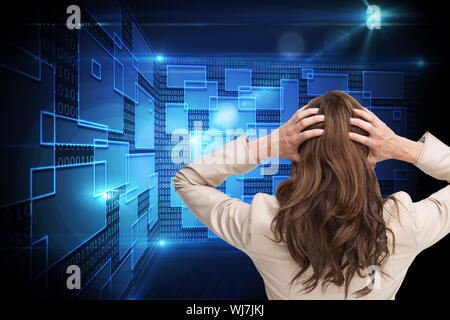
401,219
399,211
263,210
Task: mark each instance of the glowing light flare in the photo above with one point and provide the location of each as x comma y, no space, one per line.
226,117
374,19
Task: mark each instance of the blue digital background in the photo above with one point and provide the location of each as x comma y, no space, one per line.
89,147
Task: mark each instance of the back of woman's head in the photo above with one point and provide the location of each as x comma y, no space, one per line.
330,209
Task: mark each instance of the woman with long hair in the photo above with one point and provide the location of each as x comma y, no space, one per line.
328,233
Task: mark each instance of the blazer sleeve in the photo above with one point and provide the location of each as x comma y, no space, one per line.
196,182
432,215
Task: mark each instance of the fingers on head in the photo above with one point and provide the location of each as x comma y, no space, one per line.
367,126
308,134
306,122
360,138
301,114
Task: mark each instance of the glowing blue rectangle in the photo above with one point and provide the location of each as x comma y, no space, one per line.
363,97
115,155
144,120
178,74
96,69
144,55
235,78
227,115
140,245
383,84
140,167
72,131
42,182
197,94
307,73
128,212
81,215
130,74
176,117
98,101
47,128
266,97
153,205
289,98
323,82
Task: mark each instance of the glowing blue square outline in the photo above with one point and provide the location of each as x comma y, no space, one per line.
282,92
105,146
364,95
104,192
52,115
150,110
342,75
384,72
249,90
206,82
184,65
309,73
114,76
96,63
80,123
137,155
134,261
121,46
46,168
217,109
174,104
93,38
240,70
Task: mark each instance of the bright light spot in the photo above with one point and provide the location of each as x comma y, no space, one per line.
374,19
159,58
420,63
162,243
105,196
226,118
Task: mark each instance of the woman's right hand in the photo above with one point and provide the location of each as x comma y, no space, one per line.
383,143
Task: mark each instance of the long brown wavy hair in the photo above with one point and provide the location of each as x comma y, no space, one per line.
331,210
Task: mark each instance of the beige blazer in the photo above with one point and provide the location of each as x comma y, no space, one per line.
247,226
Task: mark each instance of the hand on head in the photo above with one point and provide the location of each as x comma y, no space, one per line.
381,141
293,133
